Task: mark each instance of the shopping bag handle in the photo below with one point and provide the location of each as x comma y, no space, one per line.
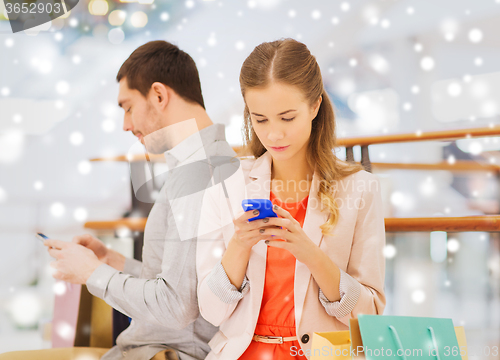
434,342
400,345
398,341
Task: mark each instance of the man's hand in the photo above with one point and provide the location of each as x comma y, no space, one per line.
103,253
94,244
74,263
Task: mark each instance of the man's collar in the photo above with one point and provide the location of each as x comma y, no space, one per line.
193,143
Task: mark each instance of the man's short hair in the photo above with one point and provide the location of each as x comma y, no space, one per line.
161,61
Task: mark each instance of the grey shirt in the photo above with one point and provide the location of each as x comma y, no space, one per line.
159,294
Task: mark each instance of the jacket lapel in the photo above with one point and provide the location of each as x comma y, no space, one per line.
313,220
258,188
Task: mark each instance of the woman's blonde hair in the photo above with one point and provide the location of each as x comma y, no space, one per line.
290,62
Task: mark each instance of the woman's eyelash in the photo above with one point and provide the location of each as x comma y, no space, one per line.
261,121
129,109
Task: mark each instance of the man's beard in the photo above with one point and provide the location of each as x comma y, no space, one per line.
156,142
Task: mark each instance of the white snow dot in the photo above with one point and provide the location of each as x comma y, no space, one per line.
116,36
5,91
335,20
190,4
453,245
164,16
62,87
65,330
454,89
389,251
467,78
80,214
449,36
475,148
385,23
407,106
475,35
202,62
76,138
212,41
345,6
478,61
316,14
292,13
84,167
3,195
57,209
427,63
38,185
59,104
108,125
418,296
410,10
76,59
44,66
415,89
59,288
73,22
418,47
217,252
58,36
353,62
240,45
251,4
17,118
9,42
489,108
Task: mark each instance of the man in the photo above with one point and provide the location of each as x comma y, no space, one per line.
159,89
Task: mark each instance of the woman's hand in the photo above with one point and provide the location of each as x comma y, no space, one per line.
295,239
249,233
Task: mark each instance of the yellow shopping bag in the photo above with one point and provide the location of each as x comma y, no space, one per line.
331,345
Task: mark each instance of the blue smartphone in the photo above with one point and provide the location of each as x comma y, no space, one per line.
265,207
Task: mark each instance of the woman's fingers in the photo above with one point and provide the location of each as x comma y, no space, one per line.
283,213
277,233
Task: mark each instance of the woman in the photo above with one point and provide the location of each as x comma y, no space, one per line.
270,283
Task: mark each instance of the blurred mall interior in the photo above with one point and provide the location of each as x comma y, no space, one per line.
390,66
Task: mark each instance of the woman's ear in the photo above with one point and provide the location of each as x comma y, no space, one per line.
159,95
316,106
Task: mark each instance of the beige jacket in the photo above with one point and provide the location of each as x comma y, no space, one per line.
356,247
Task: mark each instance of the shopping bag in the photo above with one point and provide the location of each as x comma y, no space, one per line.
333,345
408,337
462,342
348,345
71,320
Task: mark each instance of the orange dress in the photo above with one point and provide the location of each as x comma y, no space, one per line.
277,310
